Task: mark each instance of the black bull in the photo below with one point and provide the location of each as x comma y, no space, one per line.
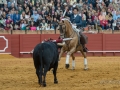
45,57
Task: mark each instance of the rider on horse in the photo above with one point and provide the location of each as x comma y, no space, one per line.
76,22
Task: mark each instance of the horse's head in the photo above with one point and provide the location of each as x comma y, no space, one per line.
62,29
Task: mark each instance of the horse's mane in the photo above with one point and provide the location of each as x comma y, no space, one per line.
68,24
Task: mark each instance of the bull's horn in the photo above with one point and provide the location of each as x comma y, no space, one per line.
60,44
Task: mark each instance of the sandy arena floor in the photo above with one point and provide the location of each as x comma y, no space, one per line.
103,74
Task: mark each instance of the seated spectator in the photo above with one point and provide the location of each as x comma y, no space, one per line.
109,26
16,27
44,24
9,20
117,27
57,16
20,10
48,27
4,15
54,23
27,11
8,27
16,17
24,16
97,23
23,24
35,16
39,27
90,23
114,24
104,24
32,27
101,16
116,16
39,20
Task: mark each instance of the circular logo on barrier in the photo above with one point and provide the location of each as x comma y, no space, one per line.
3,46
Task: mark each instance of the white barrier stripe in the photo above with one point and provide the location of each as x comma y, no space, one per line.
79,51
6,44
5,53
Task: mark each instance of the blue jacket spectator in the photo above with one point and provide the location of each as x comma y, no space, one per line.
35,16
16,17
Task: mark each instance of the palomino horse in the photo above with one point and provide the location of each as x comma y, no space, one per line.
72,46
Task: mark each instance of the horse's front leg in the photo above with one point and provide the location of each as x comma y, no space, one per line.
68,56
61,52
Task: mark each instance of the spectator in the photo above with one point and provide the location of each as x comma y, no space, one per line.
16,17
75,18
39,27
23,25
54,23
117,27
24,16
9,20
35,16
32,27
44,24
20,10
16,27
104,24
8,27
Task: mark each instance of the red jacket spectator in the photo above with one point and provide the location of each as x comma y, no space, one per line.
8,27
103,22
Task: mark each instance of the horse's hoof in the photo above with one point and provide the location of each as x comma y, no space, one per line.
56,82
73,68
67,66
85,69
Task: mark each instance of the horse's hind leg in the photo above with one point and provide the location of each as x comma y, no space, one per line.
73,61
85,60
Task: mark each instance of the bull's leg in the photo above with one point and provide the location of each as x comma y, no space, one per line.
36,64
68,56
54,73
40,75
85,60
73,61
46,68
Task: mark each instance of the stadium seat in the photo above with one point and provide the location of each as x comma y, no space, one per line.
32,32
5,32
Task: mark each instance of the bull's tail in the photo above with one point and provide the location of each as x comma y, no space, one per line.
41,64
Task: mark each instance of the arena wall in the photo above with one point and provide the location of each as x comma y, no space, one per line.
21,45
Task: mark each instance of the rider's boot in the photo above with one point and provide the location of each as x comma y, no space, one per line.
84,48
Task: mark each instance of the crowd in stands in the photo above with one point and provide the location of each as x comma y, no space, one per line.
45,14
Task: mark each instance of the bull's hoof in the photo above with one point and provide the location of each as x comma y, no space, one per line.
56,82
44,84
67,66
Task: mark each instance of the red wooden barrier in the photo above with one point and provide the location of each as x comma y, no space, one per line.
20,45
